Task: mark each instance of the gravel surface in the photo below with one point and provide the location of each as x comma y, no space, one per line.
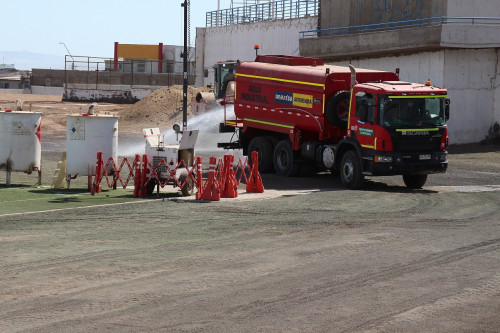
308,256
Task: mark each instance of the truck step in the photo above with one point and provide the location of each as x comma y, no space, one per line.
223,128
229,145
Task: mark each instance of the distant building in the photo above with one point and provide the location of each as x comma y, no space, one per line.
7,66
150,59
11,78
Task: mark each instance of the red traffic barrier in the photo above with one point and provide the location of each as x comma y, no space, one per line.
96,185
137,175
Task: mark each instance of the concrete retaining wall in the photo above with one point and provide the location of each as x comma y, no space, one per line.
12,91
40,90
120,96
476,8
345,13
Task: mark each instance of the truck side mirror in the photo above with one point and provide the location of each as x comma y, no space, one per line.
447,109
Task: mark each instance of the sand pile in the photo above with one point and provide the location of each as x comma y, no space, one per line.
163,107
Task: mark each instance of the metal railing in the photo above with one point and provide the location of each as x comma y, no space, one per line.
98,73
273,10
398,25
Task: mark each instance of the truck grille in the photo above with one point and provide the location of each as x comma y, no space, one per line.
156,161
430,142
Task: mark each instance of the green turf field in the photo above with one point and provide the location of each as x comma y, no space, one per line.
26,199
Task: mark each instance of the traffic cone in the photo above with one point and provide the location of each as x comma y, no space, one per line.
199,178
211,191
254,184
230,186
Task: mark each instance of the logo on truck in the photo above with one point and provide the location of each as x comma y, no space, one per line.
254,94
293,99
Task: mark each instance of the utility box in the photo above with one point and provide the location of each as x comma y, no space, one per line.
85,136
20,142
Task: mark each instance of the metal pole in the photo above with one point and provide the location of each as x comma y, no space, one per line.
185,67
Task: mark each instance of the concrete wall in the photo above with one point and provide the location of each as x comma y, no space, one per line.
475,8
345,13
41,90
462,34
470,35
236,42
35,90
11,91
380,43
471,77
120,96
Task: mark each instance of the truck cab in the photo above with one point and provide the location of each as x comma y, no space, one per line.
222,76
399,128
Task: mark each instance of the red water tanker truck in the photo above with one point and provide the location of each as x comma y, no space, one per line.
297,111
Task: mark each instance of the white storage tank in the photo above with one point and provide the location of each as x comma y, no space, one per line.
85,136
20,142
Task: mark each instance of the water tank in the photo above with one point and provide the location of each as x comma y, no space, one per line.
85,136
20,136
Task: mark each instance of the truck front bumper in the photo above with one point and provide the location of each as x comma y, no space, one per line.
407,163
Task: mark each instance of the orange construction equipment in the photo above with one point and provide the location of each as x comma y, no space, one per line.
254,183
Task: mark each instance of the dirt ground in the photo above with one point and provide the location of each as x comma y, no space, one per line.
316,258
162,108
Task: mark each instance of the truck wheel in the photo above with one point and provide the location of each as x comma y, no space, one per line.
188,188
283,158
350,171
264,147
414,181
150,186
337,109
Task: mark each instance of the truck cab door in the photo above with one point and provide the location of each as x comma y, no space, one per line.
362,120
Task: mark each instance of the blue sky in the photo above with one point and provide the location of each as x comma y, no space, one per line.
90,27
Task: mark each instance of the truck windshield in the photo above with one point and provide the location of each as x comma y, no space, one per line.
411,111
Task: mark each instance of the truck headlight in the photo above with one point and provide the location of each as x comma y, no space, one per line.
383,159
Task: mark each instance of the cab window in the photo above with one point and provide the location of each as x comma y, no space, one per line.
365,103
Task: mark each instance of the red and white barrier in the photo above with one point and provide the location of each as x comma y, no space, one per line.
221,182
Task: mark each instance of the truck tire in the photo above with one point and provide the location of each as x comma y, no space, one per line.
414,181
188,188
264,147
351,175
284,161
337,109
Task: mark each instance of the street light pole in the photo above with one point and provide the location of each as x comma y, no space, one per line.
73,63
185,4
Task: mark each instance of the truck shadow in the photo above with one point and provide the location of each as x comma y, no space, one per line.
328,182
